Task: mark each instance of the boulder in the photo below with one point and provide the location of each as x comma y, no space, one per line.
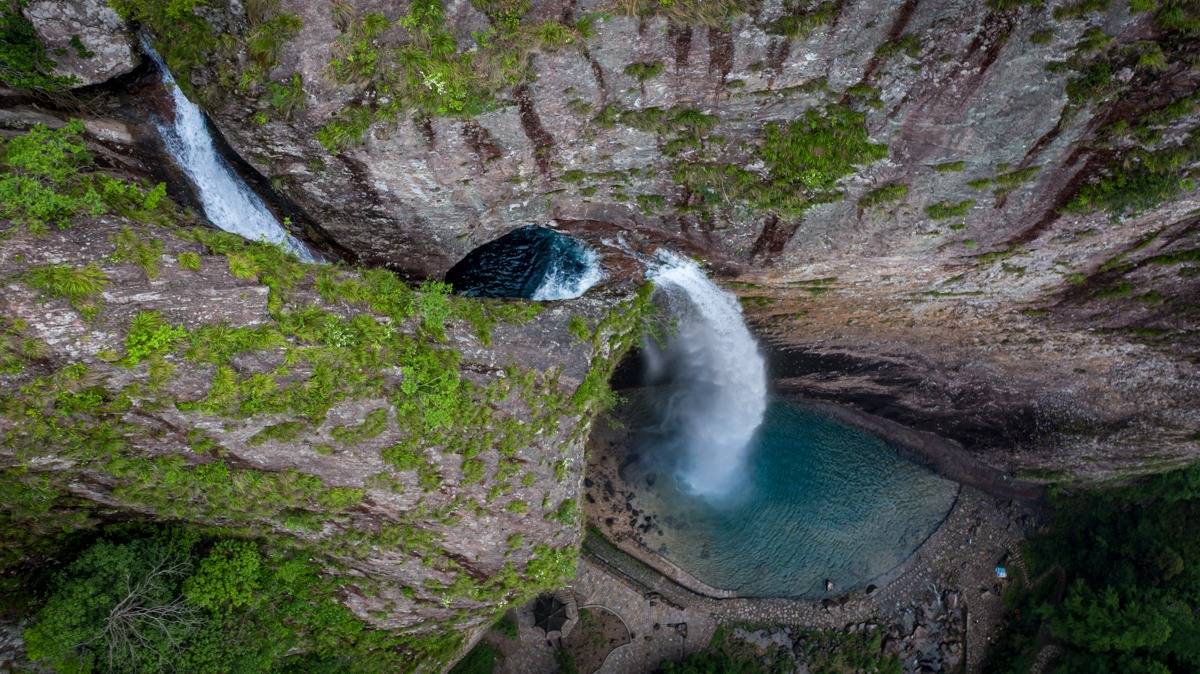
85,37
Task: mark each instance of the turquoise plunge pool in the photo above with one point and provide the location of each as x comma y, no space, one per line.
818,500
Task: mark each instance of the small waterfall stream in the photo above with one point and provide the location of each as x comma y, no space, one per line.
227,200
716,387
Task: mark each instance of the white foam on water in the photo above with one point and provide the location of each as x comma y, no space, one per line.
562,283
227,200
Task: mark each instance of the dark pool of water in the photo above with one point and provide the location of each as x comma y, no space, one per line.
819,500
522,263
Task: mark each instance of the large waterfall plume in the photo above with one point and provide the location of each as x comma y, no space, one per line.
710,378
227,200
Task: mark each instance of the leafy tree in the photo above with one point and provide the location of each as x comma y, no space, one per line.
169,600
1103,620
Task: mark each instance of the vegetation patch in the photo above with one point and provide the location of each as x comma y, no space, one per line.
1142,180
78,285
414,63
907,44
950,166
24,63
823,651
149,335
1005,180
944,210
45,182
885,194
712,13
801,22
804,159
184,39
644,71
172,599
1113,582
374,424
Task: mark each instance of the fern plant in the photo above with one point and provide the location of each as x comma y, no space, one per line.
78,285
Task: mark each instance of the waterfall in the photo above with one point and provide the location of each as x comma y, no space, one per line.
227,201
570,274
715,391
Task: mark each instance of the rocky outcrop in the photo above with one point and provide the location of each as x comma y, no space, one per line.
427,447
88,40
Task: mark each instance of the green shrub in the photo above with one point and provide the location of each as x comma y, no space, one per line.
373,425
145,253
347,128
402,457
908,44
551,35
1121,594
551,567
472,471
1079,8
943,210
264,42
820,148
883,195
285,431
218,343
950,166
83,628
711,13
644,71
39,186
1140,180
149,335
46,180
227,579
567,512
414,63
23,60
188,260
184,39
76,284
804,160
287,97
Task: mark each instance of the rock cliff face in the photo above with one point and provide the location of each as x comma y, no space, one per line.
1016,270
977,219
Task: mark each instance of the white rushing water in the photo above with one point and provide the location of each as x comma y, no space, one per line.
717,392
563,281
227,200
